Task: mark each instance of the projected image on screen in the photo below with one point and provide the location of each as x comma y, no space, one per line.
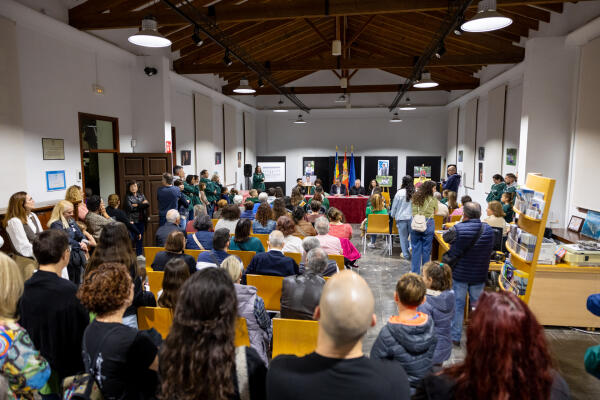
274,171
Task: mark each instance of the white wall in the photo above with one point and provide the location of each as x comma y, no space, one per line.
422,133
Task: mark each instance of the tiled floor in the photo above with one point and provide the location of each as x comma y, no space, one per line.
568,346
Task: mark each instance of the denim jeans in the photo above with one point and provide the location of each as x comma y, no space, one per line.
182,221
139,243
403,230
460,290
421,246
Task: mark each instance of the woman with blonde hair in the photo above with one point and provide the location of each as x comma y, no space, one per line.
452,202
62,219
22,224
21,364
376,207
74,194
495,217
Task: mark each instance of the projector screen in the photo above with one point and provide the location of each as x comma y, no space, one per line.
274,171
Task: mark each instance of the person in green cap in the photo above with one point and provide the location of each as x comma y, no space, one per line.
497,189
210,191
258,179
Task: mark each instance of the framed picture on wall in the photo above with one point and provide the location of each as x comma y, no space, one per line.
186,157
218,158
511,157
55,180
460,156
576,223
239,159
481,153
480,171
53,149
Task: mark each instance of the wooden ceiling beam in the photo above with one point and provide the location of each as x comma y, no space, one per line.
529,12
358,33
255,11
317,31
556,7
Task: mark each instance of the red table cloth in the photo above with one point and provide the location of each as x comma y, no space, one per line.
353,207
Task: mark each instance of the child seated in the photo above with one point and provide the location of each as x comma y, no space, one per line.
445,196
408,337
439,305
507,206
253,196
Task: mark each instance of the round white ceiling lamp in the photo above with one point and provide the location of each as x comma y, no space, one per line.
244,88
487,18
395,118
299,120
407,106
149,36
425,82
280,108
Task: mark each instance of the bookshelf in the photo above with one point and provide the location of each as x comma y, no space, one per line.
533,226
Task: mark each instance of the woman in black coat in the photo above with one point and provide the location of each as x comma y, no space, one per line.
135,207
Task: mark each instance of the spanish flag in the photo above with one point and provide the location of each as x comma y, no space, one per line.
337,167
345,171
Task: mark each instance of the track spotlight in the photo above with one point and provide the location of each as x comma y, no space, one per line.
395,118
227,59
280,108
441,51
407,106
261,84
196,37
299,120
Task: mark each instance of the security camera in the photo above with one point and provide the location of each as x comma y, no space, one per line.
150,71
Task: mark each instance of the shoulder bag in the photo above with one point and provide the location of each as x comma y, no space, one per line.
446,259
241,372
197,241
419,222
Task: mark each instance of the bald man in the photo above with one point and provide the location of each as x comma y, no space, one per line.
338,369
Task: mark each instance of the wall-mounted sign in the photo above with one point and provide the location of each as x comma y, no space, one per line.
55,180
53,149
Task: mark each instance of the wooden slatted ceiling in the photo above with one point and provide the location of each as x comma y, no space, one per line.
294,36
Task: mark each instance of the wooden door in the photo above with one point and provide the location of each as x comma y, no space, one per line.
146,169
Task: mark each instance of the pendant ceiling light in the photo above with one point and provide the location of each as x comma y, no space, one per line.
396,118
244,88
299,120
341,99
425,81
280,108
149,36
407,106
336,47
487,18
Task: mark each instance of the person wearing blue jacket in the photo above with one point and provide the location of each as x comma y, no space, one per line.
402,212
453,181
471,243
439,305
168,197
409,336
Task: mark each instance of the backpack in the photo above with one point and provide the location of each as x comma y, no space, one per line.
419,222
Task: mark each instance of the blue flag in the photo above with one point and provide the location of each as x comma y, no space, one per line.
352,173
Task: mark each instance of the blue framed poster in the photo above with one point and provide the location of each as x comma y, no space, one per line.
591,226
55,180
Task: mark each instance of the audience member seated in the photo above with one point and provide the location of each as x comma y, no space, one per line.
122,360
338,188
173,219
202,336
199,210
452,202
22,224
507,207
74,194
114,247
119,215
173,250
303,227
238,200
373,185
337,368
320,196
337,225
273,262
229,218
300,294
50,311
203,238
262,199
263,221
215,257
376,206
253,196
315,211
463,200
252,308
177,272
330,244
524,369
279,209
242,239
357,189
292,244
495,217
96,217
20,362
270,195
297,198
409,336
221,204
442,209
62,219
300,187
309,243
247,213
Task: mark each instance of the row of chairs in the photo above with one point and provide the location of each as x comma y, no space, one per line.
290,336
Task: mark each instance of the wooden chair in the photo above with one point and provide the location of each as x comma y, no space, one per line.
194,253
294,336
214,222
149,269
386,197
295,256
455,218
150,254
155,280
241,333
158,318
377,224
439,222
245,256
264,238
339,260
269,288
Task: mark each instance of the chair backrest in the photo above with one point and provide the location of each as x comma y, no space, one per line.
394,228
438,221
245,256
150,254
498,238
264,239
214,222
155,280
455,218
158,318
294,336
378,223
194,253
269,288
295,256
241,333
339,260
386,197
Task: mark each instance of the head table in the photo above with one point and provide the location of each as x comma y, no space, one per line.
353,207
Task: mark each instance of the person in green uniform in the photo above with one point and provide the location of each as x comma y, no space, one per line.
258,179
210,192
216,181
511,184
497,189
507,206
190,189
319,196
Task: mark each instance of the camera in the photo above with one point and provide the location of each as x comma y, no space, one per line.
150,71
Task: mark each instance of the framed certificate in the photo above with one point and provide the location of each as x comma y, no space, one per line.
53,149
55,180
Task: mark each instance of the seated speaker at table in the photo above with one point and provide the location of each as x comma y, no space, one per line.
338,187
357,189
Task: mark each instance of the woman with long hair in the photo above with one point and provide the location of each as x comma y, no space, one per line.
242,239
303,227
176,273
297,198
337,224
292,244
507,357
135,207
114,246
74,194
198,358
424,206
174,250
263,221
452,202
459,211
372,185
402,212
376,207
22,224
279,209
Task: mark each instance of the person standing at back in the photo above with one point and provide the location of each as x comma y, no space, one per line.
401,212
258,179
168,197
424,206
338,369
453,181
